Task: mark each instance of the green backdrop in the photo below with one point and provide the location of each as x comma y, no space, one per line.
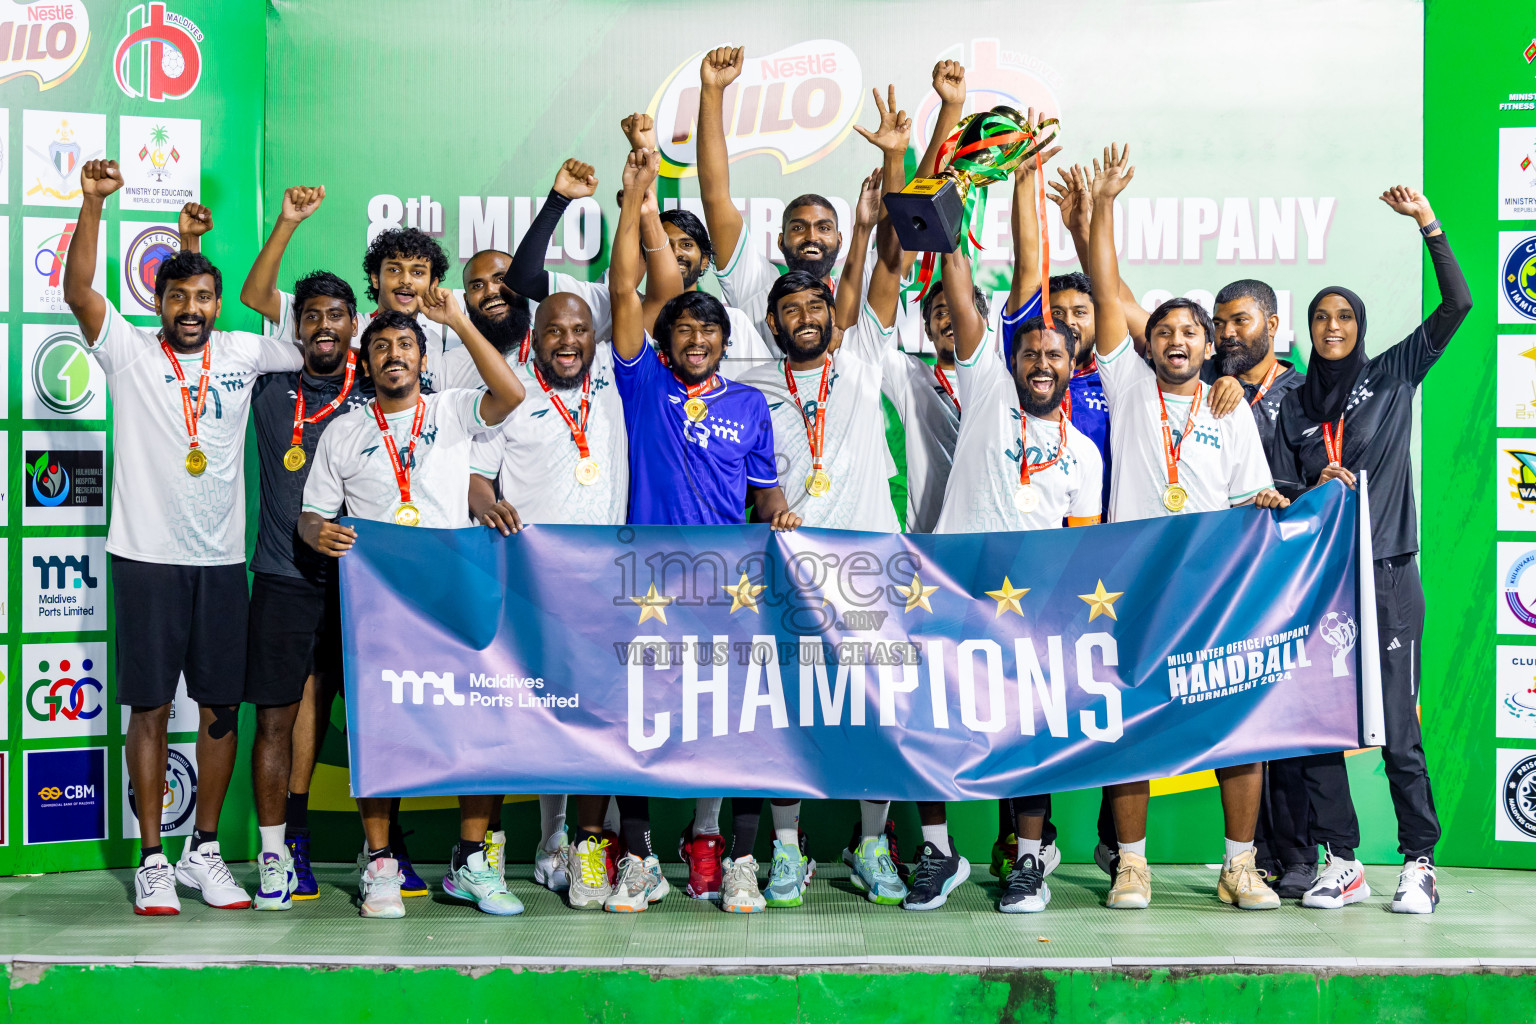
1259,154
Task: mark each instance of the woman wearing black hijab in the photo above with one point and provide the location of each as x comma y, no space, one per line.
1355,414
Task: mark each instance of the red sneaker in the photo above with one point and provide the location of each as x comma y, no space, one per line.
614,855
702,856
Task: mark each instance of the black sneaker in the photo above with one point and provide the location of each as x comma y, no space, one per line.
934,877
1025,890
1295,880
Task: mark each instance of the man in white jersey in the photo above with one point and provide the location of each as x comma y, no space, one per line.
180,400
563,459
407,459
1171,456
402,264
1020,464
499,313
831,454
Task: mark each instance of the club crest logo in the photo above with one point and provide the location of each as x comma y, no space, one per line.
159,58
1519,278
1519,795
152,247
61,157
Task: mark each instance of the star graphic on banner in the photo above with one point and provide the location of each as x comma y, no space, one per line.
744,594
917,594
652,606
1007,598
1530,354
1101,602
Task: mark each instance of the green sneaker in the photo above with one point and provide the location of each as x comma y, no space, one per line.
477,882
874,874
788,877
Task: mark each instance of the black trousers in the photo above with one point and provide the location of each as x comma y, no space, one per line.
1400,630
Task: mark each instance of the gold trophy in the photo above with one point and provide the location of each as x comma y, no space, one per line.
935,214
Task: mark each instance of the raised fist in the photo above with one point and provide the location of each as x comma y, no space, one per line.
721,66
100,178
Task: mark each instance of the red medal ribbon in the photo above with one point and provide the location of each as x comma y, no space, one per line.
695,390
1045,244
949,389
578,430
1269,378
401,466
299,419
1333,442
522,349
1171,450
189,414
815,433
1025,466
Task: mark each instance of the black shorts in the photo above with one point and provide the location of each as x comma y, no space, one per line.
295,631
175,620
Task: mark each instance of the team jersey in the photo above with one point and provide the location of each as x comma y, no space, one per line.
278,548
538,456
986,473
1266,407
687,472
440,339
459,369
353,470
160,512
1221,463
930,421
854,453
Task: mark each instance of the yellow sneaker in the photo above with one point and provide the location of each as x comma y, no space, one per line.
1133,883
1242,885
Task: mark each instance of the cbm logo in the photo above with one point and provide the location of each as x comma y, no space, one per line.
55,568
443,683
159,58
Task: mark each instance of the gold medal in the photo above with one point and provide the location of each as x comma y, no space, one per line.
696,408
293,459
408,515
1174,497
817,484
1026,498
587,472
196,461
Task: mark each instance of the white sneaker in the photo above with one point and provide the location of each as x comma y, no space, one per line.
1050,858
739,893
204,869
586,869
549,866
1416,892
378,890
1340,883
496,854
640,884
154,888
275,881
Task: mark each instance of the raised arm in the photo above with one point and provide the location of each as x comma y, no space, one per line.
259,292
1024,222
891,137
526,276
959,291
193,222
1455,296
98,179
624,271
663,279
504,392
1109,180
850,285
719,69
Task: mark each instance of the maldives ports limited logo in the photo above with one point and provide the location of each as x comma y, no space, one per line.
47,41
159,58
797,104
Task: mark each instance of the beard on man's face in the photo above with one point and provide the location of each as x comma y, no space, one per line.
508,332
1236,358
803,344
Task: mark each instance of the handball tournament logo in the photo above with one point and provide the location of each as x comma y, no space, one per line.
1519,278
1340,632
159,58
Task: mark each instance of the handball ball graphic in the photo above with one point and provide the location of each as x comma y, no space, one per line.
171,62
1338,629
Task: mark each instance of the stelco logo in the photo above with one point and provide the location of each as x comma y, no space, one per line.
65,697
446,694
47,42
67,793
797,104
158,59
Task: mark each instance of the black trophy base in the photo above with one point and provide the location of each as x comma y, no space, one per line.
927,214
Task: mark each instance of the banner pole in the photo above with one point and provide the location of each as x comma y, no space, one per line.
1373,728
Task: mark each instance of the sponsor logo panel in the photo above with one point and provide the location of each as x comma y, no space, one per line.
64,481
159,56
63,584
1514,818
178,798
1517,173
1517,381
62,381
144,247
46,42
55,144
64,690
65,794
161,160
44,251
1514,709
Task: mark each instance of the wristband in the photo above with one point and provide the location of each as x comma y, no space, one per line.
1430,228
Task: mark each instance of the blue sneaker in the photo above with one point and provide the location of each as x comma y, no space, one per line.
787,878
874,874
411,883
305,887
275,882
477,882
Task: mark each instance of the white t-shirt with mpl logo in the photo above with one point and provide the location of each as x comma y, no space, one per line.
160,512
353,472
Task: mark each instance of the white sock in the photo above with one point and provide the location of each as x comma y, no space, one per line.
551,820
1234,849
1031,847
786,823
706,815
1139,847
874,814
272,839
938,835
611,818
